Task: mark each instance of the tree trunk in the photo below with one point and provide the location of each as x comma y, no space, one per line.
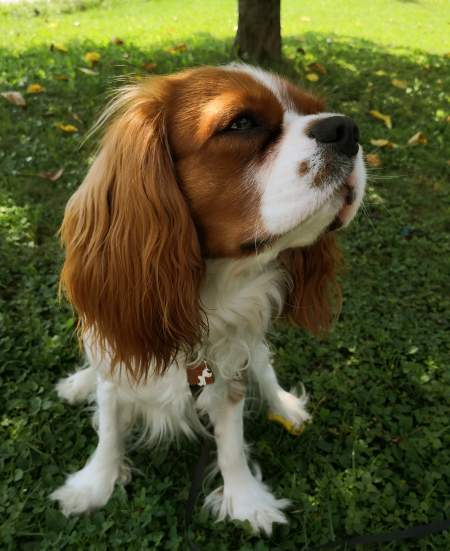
258,36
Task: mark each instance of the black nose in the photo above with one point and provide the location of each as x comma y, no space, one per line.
340,131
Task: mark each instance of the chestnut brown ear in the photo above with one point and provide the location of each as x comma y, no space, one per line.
315,298
133,263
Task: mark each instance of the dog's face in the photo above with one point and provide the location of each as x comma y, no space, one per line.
257,160
207,163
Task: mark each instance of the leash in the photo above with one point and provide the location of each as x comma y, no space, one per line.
198,474
200,376
411,533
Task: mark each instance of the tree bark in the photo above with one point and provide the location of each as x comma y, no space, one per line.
258,36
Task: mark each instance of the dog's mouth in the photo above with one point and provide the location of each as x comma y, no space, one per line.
349,195
346,193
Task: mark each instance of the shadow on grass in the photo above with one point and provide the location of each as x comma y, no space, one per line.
377,456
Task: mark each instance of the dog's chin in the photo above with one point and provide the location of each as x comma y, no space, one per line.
335,213
331,216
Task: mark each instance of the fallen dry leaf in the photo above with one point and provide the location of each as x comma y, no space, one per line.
318,68
15,98
117,41
77,118
418,139
87,71
35,89
61,77
373,159
380,117
381,142
52,175
67,128
58,48
177,48
92,57
402,84
149,67
312,77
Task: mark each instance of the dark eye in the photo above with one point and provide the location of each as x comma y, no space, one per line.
243,123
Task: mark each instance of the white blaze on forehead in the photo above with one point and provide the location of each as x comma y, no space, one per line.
269,80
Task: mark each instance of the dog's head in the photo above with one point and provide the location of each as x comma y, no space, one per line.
207,163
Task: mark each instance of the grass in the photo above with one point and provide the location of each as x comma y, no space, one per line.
377,457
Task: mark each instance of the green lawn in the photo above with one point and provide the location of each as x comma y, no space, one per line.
377,456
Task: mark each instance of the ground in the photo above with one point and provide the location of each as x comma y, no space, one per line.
377,455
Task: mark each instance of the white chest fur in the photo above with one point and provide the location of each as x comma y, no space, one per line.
240,298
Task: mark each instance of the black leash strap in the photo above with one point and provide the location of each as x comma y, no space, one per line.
414,532
198,474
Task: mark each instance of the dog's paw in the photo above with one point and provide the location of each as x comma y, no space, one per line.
84,491
290,410
249,500
77,387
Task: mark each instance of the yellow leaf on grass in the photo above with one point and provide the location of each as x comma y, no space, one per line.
318,68
380,117
58,48
15,98
418,139
381,142
178,48
312,77
67,128
51,175
373,159
61,77
402,84
92,57
35,89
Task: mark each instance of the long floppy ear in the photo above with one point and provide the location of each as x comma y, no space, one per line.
315,298
133,263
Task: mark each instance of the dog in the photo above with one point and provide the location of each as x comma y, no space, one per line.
210,210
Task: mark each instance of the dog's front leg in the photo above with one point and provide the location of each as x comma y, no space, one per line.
243,495
290,406
92,486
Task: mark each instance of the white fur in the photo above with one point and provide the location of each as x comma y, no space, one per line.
240,298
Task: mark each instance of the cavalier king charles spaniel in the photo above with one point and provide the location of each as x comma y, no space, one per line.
210,210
